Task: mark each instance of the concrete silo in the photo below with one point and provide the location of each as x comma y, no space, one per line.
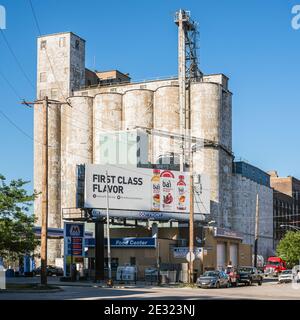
77,144
210,118
107,118
54,170
138,109
166,118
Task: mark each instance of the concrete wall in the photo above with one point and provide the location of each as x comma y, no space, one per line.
244,208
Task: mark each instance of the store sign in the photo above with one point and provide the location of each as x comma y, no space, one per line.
126,242
74,239
139,189
181,252
226,233
133,242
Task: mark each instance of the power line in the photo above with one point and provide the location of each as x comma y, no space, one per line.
35,17
16,59
10,85
15,125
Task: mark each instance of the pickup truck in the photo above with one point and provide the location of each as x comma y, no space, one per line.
249,275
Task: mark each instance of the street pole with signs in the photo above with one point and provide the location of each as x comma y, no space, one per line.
108,232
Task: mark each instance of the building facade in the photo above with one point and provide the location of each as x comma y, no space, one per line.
97,102
248,182
286,204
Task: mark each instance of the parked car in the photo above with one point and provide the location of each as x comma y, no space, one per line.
249,275
286,276
213,279
51,271
233,276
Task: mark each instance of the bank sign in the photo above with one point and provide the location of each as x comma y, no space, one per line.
139,189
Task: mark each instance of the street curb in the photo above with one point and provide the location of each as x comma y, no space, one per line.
32,291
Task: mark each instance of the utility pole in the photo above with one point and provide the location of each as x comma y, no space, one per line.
45,200
44,229
191,224
256,230
108,232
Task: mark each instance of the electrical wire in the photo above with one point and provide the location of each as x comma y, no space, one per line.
16,59
10,85
4,115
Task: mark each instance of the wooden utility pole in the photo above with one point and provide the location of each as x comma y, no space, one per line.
44,230
256,230
45,199
191,224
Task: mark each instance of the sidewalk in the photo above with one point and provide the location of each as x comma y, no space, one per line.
55,281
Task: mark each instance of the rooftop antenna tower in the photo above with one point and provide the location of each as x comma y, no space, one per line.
188,71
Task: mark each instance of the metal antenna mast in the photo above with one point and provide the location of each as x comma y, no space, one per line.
188,70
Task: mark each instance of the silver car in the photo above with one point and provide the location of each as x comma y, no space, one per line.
213,279
286,276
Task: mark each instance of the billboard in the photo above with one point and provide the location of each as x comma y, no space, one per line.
137,189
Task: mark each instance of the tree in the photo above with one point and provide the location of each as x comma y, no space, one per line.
16,222
289,248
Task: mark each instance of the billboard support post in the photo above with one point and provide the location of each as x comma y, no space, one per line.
108,232
99,250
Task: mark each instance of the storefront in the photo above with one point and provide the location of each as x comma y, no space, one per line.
137,247
224,247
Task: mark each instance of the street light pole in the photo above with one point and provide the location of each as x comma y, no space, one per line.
291,226
108,232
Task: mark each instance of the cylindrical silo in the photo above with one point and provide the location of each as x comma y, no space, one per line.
205,124
77,144
166,118
38,161
138,109
54,213
210,119
107,119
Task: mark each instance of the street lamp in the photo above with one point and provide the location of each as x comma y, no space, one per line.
291,226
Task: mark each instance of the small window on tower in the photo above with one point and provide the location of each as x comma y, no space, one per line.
62,42
42,94
43,77
43,44
77,44
54,94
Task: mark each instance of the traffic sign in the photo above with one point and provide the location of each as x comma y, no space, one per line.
190,257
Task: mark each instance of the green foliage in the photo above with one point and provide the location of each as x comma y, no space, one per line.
289,248
16,222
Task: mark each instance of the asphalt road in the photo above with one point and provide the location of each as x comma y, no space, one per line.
269,290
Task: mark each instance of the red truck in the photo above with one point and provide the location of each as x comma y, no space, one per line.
274,266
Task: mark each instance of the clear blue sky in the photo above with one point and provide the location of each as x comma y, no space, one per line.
252,42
